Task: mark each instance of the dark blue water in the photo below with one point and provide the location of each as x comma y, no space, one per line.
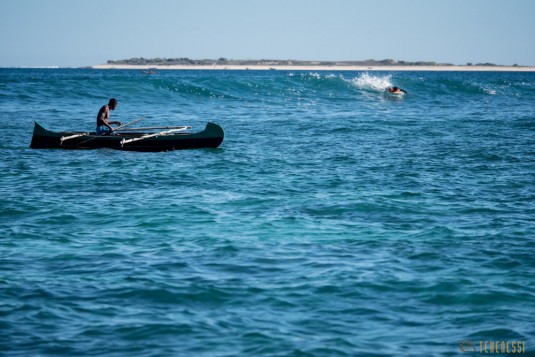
334,220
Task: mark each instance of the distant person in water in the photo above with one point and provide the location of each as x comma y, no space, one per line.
103,116
395,90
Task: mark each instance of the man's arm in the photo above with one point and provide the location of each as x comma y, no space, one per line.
104,118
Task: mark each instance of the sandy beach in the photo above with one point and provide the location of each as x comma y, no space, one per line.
320,68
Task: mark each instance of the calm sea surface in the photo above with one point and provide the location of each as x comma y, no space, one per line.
334,219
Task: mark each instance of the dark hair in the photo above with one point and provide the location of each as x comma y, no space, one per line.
113,101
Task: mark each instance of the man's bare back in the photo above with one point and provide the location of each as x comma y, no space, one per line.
103,116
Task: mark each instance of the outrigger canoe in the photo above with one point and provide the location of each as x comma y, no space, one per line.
166,138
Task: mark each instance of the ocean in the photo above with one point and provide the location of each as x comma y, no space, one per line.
334,220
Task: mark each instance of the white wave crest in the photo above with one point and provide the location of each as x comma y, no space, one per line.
371,82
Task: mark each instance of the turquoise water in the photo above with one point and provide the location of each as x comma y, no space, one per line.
334,219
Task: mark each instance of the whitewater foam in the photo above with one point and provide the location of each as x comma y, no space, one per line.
371,82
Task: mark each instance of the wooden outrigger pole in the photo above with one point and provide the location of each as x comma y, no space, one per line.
161,133
63,138
157,127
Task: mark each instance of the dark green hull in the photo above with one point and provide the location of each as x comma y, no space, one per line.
210,137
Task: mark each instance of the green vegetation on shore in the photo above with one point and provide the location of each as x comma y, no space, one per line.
140,61
265,62
271,62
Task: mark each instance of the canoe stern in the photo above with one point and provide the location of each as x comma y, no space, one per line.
44,138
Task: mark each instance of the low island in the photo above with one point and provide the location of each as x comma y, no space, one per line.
264,64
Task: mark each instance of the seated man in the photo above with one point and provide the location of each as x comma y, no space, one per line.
103,116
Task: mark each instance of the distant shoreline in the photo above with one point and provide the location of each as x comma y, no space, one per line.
277,67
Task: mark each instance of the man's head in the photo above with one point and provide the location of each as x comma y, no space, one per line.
113,103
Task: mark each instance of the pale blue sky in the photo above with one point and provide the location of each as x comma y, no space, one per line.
87,32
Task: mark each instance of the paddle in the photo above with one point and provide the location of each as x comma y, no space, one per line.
127,124
119,127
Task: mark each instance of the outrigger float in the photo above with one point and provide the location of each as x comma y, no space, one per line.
155,138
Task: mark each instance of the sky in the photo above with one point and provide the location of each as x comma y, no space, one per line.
76,33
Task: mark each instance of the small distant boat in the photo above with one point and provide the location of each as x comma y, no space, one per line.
157,138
